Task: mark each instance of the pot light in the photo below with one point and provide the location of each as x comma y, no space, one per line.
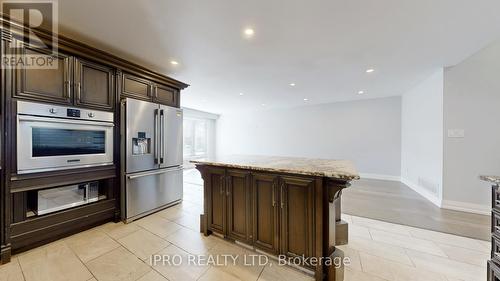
370,70
173,62
306,99
292,84
249,32
241,94
361,92
263,104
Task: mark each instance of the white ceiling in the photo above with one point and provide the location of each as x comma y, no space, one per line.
322,46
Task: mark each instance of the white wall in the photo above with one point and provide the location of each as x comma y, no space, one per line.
472,103
367,132
422,138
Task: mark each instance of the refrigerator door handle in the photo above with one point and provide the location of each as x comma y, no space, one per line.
156,137
162,136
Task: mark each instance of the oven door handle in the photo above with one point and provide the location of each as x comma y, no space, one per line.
62,120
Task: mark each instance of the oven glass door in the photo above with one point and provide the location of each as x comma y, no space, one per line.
46,144
57,142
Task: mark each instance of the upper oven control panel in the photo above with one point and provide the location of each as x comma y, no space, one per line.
71,112
50,110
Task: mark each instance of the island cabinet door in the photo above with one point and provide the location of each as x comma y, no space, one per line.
238,193
297,216
265,212
216,199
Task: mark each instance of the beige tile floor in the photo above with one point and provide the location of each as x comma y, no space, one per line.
378,251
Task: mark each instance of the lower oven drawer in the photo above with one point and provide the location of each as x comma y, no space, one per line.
61,198
150,191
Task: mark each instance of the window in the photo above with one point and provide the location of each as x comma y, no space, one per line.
195,138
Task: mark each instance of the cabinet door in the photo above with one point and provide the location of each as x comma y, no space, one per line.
296,216
50,85
135,87
216,200
265,212
166,95
238,192
94,85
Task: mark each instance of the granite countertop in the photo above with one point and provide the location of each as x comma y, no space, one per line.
492,179
338,169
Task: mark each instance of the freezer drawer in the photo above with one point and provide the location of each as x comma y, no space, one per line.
152,190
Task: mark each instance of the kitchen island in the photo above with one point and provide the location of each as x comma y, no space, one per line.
284,206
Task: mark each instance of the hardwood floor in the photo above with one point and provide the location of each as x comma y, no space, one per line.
395,202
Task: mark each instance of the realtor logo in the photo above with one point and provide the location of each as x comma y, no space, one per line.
29,51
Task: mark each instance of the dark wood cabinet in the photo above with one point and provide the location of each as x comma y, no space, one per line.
42,84
238,193
73,81
94,85
296,216
272,212
265,212
217,206
166,95
135,87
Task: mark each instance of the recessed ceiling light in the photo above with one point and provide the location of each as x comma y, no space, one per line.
241,94
263,104
306,99
292,84
361,92
173,62
249,32
370,70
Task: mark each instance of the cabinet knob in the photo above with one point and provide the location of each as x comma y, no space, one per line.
91,114
53,110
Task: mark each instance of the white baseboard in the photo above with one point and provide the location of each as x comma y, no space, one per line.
380,177
424,192
467,207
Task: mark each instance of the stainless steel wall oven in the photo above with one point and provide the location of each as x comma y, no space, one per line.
51,137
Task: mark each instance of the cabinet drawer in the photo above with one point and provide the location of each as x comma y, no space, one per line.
496,198
495,223
493,271
495,248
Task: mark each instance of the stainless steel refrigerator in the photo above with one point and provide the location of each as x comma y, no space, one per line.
151,136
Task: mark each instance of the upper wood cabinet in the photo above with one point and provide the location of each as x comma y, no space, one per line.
50,85
94,85
136,87
139,88
166,95
73,82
